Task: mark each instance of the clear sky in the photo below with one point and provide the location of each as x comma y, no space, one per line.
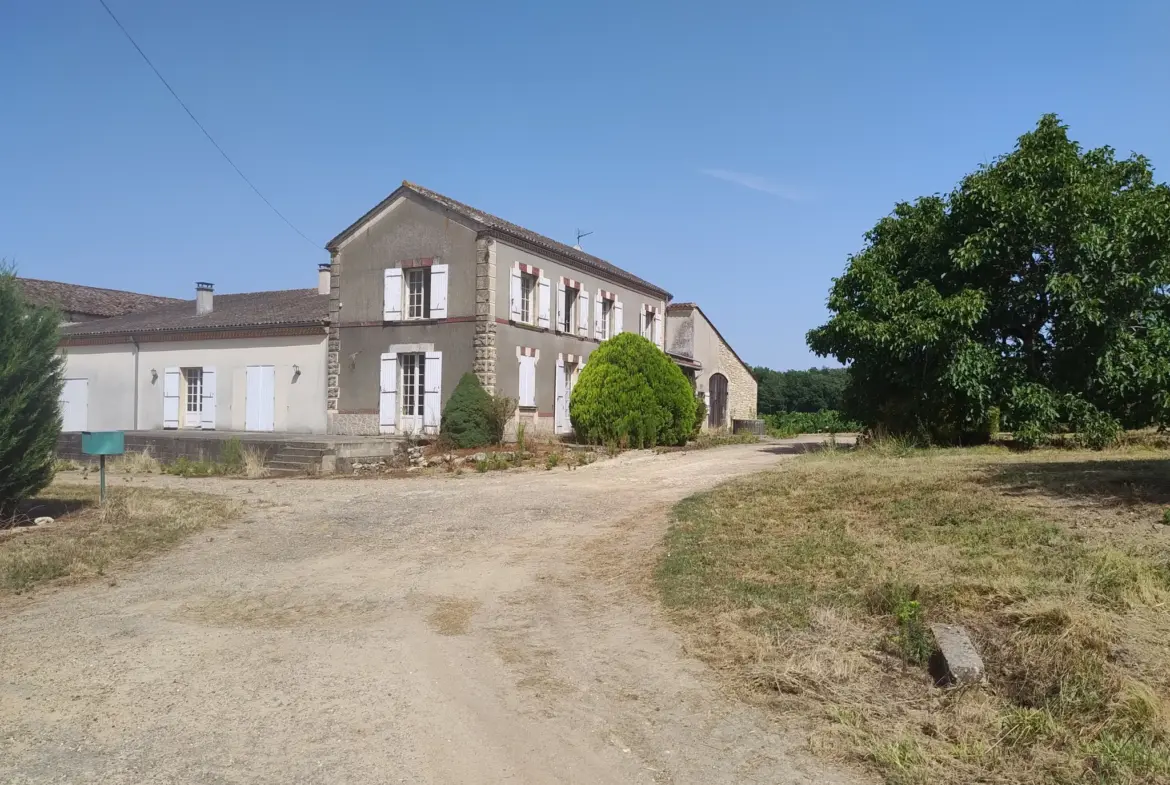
734,153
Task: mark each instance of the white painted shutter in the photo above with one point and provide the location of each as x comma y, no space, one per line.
207,417
560,309
527,381
659,333
598,334
543,290
392,297
268,398
515,300
583,313
171,398
254,378
439,291
388,393
618,324
432,392
561,408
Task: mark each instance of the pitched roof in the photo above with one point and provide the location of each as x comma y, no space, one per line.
88,300
291,307
695,307
505,229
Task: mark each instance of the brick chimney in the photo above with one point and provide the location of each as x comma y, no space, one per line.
324,273
203,297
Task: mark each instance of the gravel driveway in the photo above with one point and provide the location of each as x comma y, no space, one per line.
474,629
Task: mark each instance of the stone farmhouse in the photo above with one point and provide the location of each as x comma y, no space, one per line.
419,291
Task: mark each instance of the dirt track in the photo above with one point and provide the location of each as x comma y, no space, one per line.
472,629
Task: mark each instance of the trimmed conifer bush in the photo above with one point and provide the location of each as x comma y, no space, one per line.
31,378
466,417
631,393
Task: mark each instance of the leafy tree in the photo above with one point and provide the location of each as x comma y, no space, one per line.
799,391
31,378
630,392
466,420
1038,286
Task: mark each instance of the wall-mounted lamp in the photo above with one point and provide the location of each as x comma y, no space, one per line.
296,372
153,376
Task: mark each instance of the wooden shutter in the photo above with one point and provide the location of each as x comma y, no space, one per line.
561,405
583,313
439,291
388,395
392,298
560,309
171,398
207,415
515,289
527,381
598,333
432,392
659,333
543,292
618,324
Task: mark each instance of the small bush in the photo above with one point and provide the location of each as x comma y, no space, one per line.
521,429
231,456
551,461
630,390
500,411
467,417
700,415
912,638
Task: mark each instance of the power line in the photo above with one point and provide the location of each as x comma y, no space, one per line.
195,120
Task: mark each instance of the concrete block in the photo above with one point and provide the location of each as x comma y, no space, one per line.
961,658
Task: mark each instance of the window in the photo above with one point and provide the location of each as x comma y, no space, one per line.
527,298
194,379
606,319
648,326
413,383
418,293
569,311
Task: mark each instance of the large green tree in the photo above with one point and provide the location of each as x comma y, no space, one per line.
30,386
809,391
1039,285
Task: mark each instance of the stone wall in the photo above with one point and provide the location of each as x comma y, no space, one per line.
741,385
168,449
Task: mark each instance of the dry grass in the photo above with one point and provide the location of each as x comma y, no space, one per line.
136,463
254,460
452,615
86,540
810,587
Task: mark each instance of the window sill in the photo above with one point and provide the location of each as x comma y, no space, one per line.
424,321
527,326
525,408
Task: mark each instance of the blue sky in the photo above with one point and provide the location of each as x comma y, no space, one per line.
734,153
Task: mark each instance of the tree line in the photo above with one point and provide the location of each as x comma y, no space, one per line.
814,390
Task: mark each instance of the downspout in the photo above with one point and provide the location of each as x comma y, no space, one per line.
136,350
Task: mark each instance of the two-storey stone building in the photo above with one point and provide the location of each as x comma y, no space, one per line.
425,289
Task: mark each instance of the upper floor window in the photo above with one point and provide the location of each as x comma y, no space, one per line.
528,298
416,289
607,320
418,293
569,311
648,323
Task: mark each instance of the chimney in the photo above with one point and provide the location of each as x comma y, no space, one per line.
203,295
324,274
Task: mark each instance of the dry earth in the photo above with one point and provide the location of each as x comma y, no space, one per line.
473,629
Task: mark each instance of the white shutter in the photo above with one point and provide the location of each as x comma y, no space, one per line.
392,297
583,313
388,393
207,417
561,406
527,381
432,392
439,291
659,333
618,324
598,334
543,292
515,300
171,398
560,309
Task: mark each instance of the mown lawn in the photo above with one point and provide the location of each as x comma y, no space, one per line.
811,589
86,540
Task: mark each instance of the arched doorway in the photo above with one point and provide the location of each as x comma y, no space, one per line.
717,405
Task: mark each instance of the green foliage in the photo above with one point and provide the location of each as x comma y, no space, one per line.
631,394
700,415
500,410
467,417
799,391
552,460
912,638
31,378
786,424
231,456
185,467
1039,285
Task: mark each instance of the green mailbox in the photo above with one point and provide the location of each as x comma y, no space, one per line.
103,443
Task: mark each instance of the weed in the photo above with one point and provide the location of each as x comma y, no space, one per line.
231,456
912,638
137,463
520,430
69,465
551,460
254,463
481,466
185,467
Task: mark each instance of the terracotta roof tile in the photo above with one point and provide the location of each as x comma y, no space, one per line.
88,300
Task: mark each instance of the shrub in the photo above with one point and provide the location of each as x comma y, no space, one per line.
231,456
631,393
787,424
31,378
500,411
467,417
700,415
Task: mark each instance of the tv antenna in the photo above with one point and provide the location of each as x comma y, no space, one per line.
581,234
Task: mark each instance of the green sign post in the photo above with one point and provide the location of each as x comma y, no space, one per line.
103,443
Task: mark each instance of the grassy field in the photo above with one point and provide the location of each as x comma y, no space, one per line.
811,589
86,540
